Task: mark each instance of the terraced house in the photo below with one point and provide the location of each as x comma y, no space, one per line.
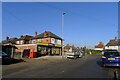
46,43
8,46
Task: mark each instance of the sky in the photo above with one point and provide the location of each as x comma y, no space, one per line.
85,23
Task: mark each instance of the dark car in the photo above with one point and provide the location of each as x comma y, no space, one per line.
111,58
4,58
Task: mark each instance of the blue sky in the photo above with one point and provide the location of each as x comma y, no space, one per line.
85,23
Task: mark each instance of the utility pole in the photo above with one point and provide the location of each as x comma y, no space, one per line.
63,34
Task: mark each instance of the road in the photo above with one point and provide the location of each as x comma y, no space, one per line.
86,67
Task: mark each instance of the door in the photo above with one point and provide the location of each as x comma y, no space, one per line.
26,53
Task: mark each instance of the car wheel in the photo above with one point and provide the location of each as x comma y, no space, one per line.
103,64
75,57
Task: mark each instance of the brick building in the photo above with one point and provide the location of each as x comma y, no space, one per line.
47,43
8,46
43,44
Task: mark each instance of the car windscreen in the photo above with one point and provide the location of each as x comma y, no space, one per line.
111,53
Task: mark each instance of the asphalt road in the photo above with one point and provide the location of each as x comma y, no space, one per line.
86,67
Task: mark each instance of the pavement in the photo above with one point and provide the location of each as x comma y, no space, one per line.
55,67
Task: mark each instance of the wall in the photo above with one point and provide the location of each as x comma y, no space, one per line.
32,47
48,40
98,49
111,47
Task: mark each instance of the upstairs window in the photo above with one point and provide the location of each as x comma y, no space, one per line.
39,40
21,42
46,40
18,42
56,41
33,41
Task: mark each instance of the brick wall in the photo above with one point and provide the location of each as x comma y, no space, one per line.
46,40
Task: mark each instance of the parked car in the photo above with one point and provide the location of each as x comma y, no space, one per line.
73,54
81,54
111,58
4,58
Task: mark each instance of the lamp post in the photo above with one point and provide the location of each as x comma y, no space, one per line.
63,34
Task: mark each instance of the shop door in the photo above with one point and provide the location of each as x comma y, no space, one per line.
26,53
48,51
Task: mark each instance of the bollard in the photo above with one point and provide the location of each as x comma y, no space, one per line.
116,75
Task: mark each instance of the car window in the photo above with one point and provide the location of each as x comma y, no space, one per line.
112,53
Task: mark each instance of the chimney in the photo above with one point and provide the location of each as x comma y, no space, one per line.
35,34
45,34
21,36
7,38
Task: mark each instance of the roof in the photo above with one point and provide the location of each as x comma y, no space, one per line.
49,34
11,40
25,37
67,46
100,45
113,42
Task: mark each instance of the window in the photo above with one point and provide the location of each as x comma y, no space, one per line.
33,41
21,42
46,35
18,42
39,40
46,40
55,40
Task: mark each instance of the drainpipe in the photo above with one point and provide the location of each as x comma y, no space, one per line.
12,52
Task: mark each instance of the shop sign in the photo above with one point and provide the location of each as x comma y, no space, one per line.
58,45
46,44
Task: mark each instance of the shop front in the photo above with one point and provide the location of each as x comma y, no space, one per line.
48,49
26,51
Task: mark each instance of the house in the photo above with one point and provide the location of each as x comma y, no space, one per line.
8,46
47,43
69,48
113,44
25,47
24,39
100,46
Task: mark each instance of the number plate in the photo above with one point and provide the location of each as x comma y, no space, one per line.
111,58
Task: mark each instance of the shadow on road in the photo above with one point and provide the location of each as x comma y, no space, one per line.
13,61
112,70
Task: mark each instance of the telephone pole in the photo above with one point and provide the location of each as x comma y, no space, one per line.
63,34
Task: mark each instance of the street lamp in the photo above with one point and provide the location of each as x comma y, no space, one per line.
63,33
